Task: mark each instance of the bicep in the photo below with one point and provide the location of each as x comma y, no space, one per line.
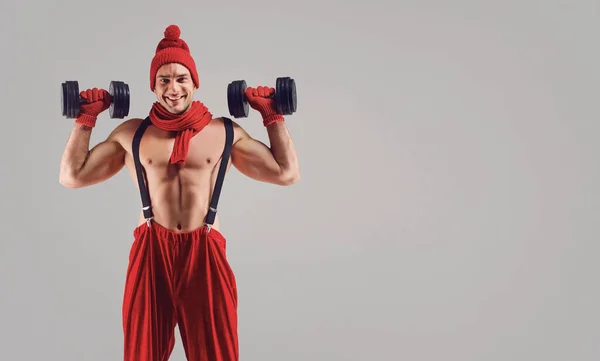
255,160
102,162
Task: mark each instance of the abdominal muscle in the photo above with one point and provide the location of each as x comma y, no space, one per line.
180,203
180,195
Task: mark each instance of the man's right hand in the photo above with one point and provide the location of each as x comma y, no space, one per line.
96,101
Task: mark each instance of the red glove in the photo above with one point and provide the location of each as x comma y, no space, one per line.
96,101
259,99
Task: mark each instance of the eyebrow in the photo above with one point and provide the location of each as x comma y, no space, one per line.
176,76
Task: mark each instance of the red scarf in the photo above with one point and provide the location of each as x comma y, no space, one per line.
187,125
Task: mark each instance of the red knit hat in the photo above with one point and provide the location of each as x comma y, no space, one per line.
172,49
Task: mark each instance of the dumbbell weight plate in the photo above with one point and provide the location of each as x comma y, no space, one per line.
70,99
232,99
245,107
293,100
285,95
230,103
63,99
115,92
236,100
279,98
119,106
126,100
75,99
66,94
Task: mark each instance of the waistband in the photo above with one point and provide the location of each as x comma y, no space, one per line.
165,233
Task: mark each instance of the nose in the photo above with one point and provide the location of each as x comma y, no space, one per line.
173,87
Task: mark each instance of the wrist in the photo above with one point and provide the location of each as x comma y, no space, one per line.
272,119
86,120
270,116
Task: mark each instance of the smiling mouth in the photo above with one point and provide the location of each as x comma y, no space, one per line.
174,99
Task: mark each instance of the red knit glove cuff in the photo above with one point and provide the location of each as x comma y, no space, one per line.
273,118
270,115
86,119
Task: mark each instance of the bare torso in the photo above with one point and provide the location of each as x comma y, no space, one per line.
180,196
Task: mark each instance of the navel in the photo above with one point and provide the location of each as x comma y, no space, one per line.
208,160
179,226
149,161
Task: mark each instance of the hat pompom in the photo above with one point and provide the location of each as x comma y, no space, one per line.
172,32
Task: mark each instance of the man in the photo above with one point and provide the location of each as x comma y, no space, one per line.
178,273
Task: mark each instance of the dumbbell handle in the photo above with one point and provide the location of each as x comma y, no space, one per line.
269,97
83,101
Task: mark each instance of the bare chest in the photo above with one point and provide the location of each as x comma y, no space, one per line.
204,149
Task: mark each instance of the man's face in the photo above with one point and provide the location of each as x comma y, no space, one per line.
174,87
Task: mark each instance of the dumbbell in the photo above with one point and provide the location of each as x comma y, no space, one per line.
285,97
71,100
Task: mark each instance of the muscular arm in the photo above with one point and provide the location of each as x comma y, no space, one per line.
82,167
277,164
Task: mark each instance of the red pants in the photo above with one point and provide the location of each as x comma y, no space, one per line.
180,279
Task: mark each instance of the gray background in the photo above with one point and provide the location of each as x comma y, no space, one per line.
448,205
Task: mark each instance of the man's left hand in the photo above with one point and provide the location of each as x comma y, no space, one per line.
261,100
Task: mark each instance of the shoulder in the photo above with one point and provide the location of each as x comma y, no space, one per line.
239,132
127,126
124,132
